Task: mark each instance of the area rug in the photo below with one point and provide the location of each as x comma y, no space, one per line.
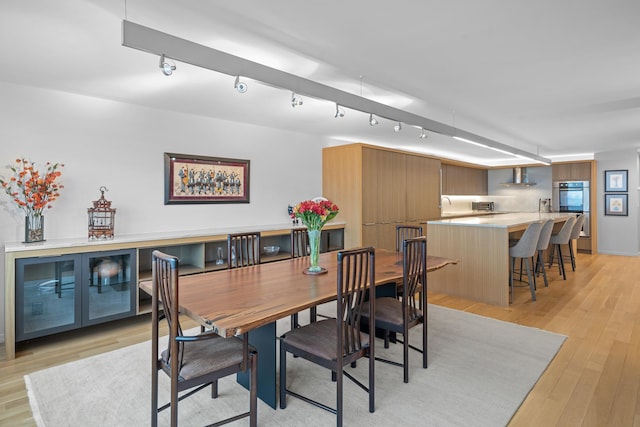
480,371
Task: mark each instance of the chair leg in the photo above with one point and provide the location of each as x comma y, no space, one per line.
540,263
512,266
551,252
405,356
561,261
531,278
313,314
283,377
573,257
253,394
372,379
339,399
294,321
214,389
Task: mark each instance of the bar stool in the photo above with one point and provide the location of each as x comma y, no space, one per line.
543,244
575,235
525,249
559,239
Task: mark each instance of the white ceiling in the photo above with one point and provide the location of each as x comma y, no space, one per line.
552,77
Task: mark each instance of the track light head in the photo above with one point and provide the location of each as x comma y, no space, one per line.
423,134
372,120
339,111
398,127
240,86
296,100
166,66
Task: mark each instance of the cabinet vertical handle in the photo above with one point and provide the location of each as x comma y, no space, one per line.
440,191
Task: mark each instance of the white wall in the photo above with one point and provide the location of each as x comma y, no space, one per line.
619,235
121,146
519,198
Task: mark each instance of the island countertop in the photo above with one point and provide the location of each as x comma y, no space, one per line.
481,243
504,220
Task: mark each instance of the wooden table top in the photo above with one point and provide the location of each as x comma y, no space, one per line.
236,301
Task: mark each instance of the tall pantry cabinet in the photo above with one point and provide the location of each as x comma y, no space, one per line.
377,189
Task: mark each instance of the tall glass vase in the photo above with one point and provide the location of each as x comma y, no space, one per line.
33,228
314,253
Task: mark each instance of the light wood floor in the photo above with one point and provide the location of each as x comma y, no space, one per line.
593,381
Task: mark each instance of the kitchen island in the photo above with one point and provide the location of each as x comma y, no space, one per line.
481,243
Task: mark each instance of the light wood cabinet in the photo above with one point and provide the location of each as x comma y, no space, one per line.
579,171
464,181
377,189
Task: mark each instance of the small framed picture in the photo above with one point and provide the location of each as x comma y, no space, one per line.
616,204
616,181
201,179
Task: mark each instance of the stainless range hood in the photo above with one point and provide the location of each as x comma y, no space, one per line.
520,178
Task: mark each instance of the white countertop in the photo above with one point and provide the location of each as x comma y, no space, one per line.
149,237
504,220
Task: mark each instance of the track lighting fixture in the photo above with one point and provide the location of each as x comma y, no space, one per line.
240,86
398,127
295,100
166,66
372,120
339,111
423,134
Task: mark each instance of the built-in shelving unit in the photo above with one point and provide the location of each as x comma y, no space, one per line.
198,252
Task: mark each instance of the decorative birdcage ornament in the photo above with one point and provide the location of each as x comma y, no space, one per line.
101,218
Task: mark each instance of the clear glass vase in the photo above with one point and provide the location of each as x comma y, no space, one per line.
33,228
314,251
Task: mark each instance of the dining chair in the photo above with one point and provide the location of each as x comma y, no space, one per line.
525,249
196,361
393,315
243,249
337,342
556,242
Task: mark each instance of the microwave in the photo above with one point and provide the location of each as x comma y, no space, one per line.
482,206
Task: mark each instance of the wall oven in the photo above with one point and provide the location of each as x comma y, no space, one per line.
573,197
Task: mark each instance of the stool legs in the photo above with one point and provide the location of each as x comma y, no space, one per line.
561,269
540,266
530,277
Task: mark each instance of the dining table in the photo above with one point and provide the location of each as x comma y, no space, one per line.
250,300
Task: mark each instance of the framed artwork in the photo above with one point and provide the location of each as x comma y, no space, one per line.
616,204
616,180
200,179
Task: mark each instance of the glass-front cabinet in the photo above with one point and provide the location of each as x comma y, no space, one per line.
60,293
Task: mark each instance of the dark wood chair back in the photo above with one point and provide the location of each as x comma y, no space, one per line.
404,232
243,249
414,277
299,242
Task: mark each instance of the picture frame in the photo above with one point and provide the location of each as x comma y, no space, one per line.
616,204
616,181
193,179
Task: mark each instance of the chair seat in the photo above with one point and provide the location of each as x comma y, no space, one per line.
319,338
389,313
202,357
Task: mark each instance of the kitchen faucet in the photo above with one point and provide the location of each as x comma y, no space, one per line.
445,197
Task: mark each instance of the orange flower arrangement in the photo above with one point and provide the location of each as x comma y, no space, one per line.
31,190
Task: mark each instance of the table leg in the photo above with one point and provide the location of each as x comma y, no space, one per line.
264,340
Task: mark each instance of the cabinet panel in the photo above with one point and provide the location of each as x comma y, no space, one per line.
579,171
461,180
370,172
422,188
47,296
109,286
